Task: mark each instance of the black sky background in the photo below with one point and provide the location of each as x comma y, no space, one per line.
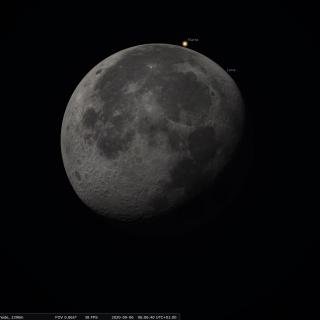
256,260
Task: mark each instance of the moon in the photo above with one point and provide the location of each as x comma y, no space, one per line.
148,129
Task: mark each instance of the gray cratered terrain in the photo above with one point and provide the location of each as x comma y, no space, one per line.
149,128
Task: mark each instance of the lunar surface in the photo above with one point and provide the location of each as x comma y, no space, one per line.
149,128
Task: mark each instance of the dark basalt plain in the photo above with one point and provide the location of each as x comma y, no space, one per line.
149,128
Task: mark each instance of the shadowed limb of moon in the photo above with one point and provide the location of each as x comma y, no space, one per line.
149,128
